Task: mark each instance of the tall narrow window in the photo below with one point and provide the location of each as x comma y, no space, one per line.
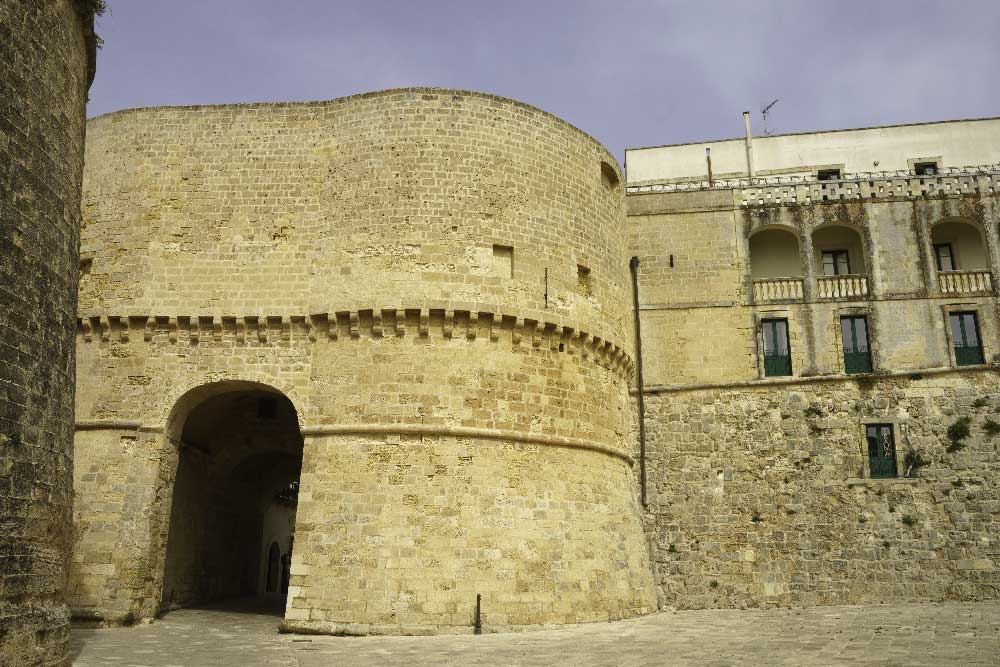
857,355
881,451
583,283
944,258
777,355
965,335
836,263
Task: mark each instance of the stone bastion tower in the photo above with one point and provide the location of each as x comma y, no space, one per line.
409,307
46,65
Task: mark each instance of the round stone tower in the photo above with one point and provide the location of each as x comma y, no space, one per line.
46,63
437,282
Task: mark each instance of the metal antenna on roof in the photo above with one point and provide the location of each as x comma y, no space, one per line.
763,112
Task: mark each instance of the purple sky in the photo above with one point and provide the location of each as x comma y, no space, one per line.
629,73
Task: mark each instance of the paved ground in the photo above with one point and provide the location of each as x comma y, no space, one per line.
933,634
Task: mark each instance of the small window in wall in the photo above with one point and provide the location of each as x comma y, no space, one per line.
777,354
925,168
836,263
583,282
944,259
857,354
609,177
503,261
965,336
828,175
881,451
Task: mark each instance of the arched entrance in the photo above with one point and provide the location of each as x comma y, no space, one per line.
234,493
273,568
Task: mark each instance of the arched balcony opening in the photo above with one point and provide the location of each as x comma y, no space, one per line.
775,266
840,266
960,257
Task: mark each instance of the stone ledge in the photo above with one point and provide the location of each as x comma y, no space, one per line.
465,432
867,481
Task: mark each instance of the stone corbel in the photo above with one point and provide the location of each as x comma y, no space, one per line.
104,327
496,324
537,334
472,329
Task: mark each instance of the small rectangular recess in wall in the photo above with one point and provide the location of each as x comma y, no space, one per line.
584,285
503,261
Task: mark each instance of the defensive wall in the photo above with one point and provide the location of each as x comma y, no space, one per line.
46,63
760,485
437,282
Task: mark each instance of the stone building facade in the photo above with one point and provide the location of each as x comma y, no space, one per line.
414,309
820,368
46,64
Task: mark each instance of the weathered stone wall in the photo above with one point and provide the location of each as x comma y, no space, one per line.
759,495
758,487
437,281
701,323
43,84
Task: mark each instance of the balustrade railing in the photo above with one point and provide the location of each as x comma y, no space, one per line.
777,289
841,287
866,184
964,282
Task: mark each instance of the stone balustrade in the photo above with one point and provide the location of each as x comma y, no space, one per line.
788,190
964,282
770,290
841,287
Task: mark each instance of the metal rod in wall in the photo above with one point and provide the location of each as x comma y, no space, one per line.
634,266
708,159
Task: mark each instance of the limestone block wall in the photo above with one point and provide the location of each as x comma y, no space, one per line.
758,495
126,464
43,84
437,280
700,318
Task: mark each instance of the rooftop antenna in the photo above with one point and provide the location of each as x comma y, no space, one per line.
763,112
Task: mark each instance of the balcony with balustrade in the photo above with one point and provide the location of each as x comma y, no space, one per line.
960,258
839,263
775,266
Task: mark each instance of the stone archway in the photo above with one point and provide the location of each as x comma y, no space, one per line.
239,453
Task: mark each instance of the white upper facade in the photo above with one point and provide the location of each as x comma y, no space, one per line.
947,144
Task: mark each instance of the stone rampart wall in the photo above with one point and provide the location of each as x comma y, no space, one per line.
437,280
761,495
43,88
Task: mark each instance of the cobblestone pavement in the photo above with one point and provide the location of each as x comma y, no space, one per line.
932,634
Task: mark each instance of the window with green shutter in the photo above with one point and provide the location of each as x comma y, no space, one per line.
881,451
777,355
965,336
857,354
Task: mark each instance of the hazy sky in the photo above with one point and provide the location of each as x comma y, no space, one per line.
629,73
